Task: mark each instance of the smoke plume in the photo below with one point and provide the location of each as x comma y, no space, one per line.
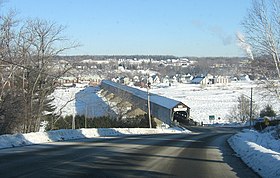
244,45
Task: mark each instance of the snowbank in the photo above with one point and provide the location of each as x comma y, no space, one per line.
7,141
260,151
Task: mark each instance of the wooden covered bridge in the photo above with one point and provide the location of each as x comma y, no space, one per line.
165,109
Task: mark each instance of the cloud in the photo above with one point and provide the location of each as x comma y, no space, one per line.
221,34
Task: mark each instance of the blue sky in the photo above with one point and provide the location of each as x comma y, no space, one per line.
153,27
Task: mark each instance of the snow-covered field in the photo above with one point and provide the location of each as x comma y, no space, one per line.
214,100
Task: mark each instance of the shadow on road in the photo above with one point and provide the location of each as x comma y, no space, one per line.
129,156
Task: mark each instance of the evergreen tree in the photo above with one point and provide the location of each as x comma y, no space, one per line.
267,111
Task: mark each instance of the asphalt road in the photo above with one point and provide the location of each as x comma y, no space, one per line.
205,153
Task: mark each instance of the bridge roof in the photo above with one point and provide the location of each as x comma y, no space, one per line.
154,98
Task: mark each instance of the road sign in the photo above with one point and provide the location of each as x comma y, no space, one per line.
211,117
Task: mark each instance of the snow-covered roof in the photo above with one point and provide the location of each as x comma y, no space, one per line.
154,98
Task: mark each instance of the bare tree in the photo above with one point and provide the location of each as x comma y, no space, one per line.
262,30
7,51
28,70
10,95
241,111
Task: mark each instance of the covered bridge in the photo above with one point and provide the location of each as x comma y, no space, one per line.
165,109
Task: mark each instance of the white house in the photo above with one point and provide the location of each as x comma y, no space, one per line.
136,78
165,79
186,78
200,80
245,78
222,80
154,79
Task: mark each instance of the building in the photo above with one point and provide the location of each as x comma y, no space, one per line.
162,108
202,80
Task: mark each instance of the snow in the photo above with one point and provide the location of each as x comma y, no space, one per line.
88,102
79,101
260,151
15,140
218,100
215,100
64,99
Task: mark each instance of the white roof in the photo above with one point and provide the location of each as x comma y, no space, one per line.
154,98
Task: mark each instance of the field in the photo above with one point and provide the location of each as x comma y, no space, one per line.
215,100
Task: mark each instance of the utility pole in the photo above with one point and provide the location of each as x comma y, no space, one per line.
86,116
251,107
73,120
149,107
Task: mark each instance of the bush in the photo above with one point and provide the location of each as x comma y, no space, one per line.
99,122
278,131
102,122
55,123
141,121
260,126
268,111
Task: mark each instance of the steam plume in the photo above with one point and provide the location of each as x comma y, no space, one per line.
244,45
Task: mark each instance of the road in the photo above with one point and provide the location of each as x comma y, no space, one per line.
205,153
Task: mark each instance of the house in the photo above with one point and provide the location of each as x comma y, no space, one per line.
200,80
245,78
165,79
233,78
154,79
124,80
210,80
136,79
186,78
203,79
222,80
121,68
174,79
67,80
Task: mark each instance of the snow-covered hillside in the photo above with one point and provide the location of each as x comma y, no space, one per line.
79,101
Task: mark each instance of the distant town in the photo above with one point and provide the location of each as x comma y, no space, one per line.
140,69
